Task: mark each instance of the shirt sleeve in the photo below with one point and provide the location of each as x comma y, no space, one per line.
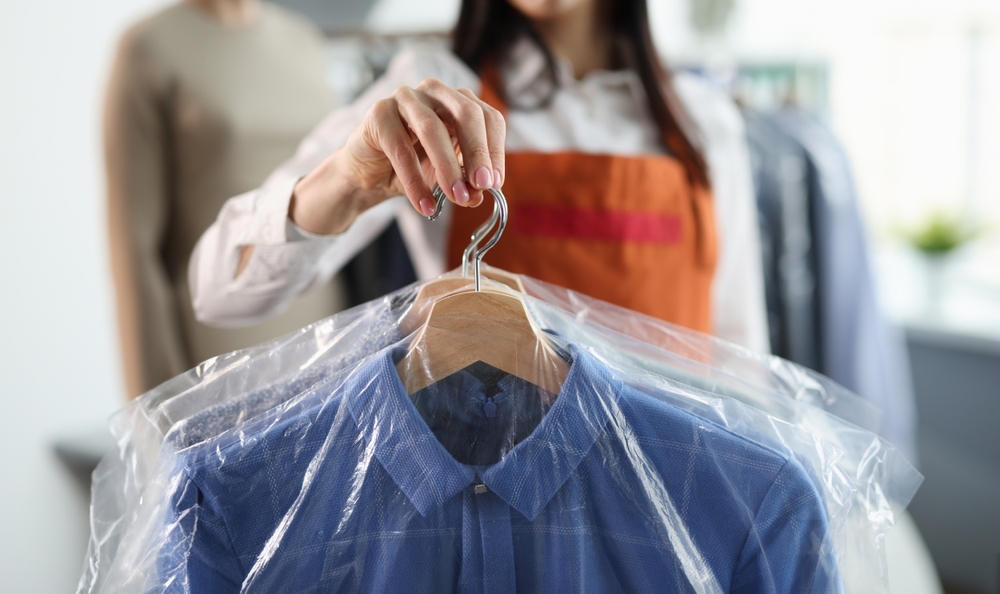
739,314
135,147
197,553
789,548
281,266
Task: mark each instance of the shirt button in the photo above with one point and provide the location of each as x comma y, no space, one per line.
480,488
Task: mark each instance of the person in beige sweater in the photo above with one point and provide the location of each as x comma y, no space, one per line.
205,99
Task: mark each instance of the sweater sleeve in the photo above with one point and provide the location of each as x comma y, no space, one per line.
138,209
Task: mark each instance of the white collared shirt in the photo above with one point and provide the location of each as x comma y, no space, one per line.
604,112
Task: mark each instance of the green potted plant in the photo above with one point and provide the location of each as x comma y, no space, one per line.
936,240
941,234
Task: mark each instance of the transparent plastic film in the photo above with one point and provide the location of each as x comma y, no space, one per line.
714,354
218,396
441,440
481,481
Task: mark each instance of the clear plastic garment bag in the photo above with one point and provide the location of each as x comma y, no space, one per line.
486,432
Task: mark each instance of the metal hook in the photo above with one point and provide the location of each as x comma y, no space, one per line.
501,203
439,200
477,236
499,215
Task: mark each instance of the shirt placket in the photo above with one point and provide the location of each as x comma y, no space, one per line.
487,543
497,541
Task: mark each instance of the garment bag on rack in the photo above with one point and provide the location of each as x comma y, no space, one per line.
305,463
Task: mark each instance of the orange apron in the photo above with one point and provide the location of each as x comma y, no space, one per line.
631,230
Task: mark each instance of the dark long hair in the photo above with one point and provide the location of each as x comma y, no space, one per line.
487,28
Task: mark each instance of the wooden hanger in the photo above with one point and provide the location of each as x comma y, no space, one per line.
488,326
417,314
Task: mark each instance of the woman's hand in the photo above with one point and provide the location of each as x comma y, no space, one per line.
407,142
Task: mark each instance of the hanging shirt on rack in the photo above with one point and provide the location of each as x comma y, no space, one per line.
859,346
602,488
781,181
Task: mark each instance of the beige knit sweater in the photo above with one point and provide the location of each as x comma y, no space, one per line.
198,112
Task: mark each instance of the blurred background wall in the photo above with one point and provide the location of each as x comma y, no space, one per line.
59,367
911,88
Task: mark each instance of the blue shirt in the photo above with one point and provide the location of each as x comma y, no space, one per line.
379,329
613,491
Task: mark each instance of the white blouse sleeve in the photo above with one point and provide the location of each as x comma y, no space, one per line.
285,264
738,306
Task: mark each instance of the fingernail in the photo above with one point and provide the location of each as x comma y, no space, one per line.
460,192
496,178
484,178
427,206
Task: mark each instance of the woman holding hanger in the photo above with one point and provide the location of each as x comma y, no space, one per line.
624,182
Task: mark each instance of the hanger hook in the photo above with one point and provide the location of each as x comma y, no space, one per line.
477,237
501,205
498,219
439,199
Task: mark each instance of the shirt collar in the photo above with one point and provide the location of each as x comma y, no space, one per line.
526,478
525,80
